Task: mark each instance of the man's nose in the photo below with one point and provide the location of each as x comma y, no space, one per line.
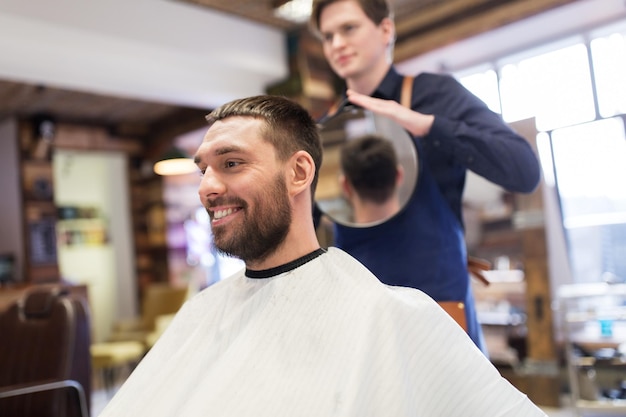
337,41
210,185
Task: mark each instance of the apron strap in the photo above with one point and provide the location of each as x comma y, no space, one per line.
475,266
407,91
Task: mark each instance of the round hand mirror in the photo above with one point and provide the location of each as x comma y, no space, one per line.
356,187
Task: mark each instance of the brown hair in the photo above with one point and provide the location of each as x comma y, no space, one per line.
370,164
376,10
288,126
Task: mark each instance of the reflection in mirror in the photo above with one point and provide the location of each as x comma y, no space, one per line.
336,195
370,178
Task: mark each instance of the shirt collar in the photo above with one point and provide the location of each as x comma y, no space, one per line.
390,86
388,89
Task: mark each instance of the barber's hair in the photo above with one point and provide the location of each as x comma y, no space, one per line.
376,10
370,164
288,126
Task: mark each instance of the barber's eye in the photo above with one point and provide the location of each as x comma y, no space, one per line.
347,29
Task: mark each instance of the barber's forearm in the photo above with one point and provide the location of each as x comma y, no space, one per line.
417,124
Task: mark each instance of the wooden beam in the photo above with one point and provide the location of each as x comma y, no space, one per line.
414,40
438,14
164,132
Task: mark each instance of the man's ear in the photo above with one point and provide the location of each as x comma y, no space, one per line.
301,172
346,188
389,29
399,176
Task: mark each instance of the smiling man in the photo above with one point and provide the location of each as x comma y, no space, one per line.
250,185
249,228
303,331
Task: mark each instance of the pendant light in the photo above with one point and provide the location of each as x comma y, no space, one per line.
175,162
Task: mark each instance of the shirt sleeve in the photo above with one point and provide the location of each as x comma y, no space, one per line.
476,138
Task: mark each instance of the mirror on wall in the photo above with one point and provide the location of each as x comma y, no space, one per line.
343,200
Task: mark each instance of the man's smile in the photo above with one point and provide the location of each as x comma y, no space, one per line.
219,214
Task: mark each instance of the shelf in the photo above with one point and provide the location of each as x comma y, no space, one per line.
80,223
587,316
606,405
37,180
594,315
586,329
586,361
148,213
596,289
499,318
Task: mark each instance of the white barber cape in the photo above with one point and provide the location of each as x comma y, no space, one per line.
326,338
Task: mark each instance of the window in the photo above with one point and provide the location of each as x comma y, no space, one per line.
484,84
586,148
590,174
555,87
609,65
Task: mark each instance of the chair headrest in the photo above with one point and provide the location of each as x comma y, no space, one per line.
38,303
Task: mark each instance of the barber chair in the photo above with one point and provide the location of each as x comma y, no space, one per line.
456,310
160,299
132,338
45,366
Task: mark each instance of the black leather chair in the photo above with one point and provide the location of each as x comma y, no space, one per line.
45,365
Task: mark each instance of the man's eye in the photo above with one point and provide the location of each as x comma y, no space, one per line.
328,37
232,164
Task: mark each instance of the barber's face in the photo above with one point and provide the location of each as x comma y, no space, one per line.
243,189
352,43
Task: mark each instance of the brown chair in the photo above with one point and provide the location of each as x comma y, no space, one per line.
160,299
109,358
44,355
456,310
132,338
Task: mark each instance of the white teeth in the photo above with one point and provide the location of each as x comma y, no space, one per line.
222,213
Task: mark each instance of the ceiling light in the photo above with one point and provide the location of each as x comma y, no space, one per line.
175,162
297,11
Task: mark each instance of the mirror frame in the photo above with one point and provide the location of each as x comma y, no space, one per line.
349,123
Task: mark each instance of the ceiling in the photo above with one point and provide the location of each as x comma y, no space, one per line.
263,10
208,32
421,25
123,116
137,67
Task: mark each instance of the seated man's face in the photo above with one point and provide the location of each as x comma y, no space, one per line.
243,189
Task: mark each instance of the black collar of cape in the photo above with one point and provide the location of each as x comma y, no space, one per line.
277,270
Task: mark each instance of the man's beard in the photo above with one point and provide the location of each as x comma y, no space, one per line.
262,230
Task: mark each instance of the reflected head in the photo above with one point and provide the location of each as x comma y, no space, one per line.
370,164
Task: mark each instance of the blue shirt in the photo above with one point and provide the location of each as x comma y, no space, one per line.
465,135
423,246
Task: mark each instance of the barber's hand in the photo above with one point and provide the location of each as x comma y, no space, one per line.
418,124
